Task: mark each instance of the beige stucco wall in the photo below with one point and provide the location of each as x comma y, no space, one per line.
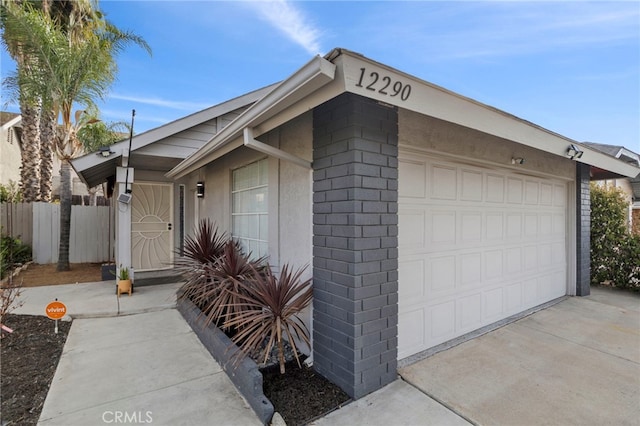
290,195
10,158
432,134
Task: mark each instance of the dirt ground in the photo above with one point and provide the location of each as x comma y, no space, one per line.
38,275
28,361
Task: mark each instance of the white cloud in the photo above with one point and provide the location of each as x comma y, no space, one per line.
179,105
290,20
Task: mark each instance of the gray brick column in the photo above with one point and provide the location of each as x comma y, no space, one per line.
583,230
355,243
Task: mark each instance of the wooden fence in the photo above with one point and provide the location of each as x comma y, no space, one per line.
38,224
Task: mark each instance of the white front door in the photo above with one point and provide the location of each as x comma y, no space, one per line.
151,226
476,245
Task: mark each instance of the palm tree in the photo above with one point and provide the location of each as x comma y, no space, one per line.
30,112
38,118
73,67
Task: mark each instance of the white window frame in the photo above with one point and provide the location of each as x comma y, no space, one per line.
255,241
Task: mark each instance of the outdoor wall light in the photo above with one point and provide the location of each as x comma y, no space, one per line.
574,152
518,160
200,189
105,151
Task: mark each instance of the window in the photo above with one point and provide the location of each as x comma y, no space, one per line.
249,211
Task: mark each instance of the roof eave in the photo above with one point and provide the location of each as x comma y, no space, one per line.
315,74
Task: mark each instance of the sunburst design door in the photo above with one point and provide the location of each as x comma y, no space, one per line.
151,226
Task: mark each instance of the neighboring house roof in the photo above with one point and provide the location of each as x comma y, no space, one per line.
163,147
340,71
6,116
623,154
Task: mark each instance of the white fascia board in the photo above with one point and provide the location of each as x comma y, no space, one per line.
312,76
377,81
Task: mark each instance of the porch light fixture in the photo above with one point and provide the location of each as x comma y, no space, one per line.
105,151
574,152
200,189
518,160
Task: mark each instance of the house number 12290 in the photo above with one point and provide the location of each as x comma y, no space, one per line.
383,84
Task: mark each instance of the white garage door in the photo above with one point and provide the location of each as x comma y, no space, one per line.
476,245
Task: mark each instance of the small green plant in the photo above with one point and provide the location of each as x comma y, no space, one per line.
272,305
123,273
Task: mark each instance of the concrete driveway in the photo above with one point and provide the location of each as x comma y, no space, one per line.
575,363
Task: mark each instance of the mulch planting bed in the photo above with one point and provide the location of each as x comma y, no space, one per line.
301,395
28,361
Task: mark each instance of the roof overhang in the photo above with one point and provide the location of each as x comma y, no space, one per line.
343,71
94,169
298,88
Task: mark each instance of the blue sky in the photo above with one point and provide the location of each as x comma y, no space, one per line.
572,67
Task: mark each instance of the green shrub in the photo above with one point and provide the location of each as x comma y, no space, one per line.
615,252
12,252
10,193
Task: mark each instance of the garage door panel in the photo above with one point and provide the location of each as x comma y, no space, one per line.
493,265
559,195
471,186
495,188
411,332
412,272
416,173
530,291
442,227
513,298
444,182
514,226
412,234
514,260
493,305
442,322
494,227
469,312
476,245
531,192
514,190
470,269
470,227
443,275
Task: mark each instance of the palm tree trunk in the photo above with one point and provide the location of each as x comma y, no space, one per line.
30,171
65,215
47,135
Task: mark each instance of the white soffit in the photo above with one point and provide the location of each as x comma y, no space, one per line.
315,74
371,79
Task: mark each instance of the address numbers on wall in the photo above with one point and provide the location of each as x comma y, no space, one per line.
383,84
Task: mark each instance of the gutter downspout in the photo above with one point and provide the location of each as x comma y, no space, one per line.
250,142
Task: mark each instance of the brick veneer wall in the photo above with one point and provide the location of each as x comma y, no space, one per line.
583,230
355,243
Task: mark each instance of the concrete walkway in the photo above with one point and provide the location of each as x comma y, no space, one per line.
147,366
575,363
